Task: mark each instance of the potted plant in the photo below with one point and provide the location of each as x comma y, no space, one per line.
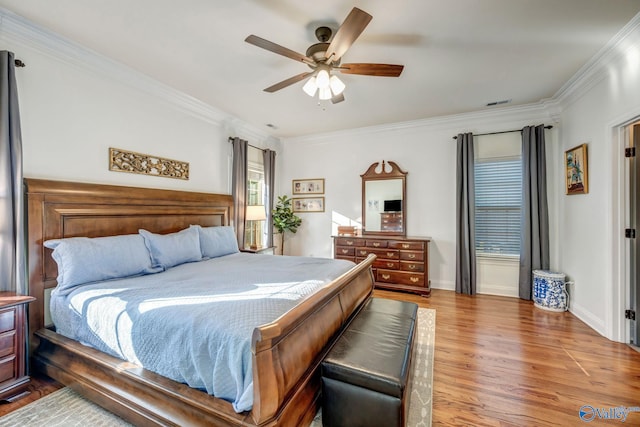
284,219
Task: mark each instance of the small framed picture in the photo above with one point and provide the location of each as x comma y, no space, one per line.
576,170
308,204
308,186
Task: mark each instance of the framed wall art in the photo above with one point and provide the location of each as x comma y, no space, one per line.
576,170
146,164
308,186
308,204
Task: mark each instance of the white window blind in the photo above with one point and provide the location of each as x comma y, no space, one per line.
498,188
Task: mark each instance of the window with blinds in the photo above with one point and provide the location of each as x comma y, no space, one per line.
498,188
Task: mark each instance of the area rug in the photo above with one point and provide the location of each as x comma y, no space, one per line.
66,408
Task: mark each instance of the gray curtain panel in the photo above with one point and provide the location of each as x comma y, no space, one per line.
269,160
13,267
534,244
465,217
239,186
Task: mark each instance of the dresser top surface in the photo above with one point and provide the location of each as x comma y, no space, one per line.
383,237
8,299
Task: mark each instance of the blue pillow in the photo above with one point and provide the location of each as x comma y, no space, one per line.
217,241
83,260
168,250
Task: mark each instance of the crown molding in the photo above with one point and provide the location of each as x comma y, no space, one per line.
546,111
23,32
597,68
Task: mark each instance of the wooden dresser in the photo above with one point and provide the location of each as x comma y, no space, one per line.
391,221
13,368
402,263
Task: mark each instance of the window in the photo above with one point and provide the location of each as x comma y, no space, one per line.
255,230
498,188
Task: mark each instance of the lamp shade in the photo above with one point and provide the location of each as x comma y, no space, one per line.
336,85
255,213
322,79
310,87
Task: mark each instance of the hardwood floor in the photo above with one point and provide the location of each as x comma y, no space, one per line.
502,362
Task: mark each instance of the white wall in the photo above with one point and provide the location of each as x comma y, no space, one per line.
424,149
75,104
591,225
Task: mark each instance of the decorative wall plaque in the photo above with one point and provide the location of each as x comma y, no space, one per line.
146,164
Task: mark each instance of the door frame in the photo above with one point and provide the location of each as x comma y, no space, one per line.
618,327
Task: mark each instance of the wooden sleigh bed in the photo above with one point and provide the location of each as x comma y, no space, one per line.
286,354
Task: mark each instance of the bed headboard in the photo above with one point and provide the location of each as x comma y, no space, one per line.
57,209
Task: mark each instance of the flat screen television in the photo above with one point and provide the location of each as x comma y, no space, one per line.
392,205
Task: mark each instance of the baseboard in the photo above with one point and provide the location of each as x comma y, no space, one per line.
587,317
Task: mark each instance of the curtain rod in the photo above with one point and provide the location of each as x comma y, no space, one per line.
504,131
19,63
257,148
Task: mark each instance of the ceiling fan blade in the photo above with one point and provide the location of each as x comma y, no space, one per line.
337,98
276,48
349,31
287,82
381,70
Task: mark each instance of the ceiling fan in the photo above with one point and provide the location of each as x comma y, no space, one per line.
324,59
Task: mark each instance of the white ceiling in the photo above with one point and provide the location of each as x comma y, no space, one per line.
459,55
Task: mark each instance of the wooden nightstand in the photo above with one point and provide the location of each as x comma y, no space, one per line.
261,251
13,363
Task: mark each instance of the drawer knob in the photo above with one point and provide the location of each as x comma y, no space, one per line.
412,256
412,267
376,244
415,279
406,246
349,242
389,254
363,253
386,276
345,251
390,264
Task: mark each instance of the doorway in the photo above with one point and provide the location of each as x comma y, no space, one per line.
632,135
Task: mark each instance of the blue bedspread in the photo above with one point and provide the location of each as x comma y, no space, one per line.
193,323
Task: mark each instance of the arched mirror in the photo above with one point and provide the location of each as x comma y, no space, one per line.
384,199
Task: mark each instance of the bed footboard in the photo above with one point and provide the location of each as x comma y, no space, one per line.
288,352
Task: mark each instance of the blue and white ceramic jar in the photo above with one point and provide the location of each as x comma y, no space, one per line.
549,292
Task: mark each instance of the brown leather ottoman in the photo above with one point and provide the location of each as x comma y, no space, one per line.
365,376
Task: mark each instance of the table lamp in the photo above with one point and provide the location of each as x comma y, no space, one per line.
255,213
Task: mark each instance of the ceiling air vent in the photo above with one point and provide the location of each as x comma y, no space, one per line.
494,103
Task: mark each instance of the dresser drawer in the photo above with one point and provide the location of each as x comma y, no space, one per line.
7,344
412,246
386,263
8,369
400,277
347,241
412,255
345,251
418,267
380,253
8,319
376,243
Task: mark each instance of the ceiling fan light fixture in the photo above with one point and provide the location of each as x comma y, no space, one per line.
336,85
324,93
322,79
310,87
